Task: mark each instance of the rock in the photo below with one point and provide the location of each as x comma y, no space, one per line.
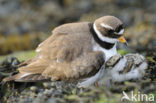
20,17
46,85
48,93
39,100
33,88
14,62
51,100
141,37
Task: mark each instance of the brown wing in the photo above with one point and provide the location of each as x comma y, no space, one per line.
67,41
84,66
20,77
65,44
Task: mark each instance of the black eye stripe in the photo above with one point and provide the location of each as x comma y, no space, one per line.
110,31
114,36
118,28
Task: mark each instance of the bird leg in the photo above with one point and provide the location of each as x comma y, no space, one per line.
96,84
94,79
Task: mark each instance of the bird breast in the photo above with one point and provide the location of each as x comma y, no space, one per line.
108,52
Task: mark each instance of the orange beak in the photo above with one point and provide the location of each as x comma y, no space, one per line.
122,40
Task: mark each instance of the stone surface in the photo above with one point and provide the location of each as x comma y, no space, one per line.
65,92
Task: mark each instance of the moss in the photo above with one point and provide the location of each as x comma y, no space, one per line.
14,43
154,93
122,52
102,99
150,58
23,55
115,98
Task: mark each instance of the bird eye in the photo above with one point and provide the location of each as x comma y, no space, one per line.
119,28
110,31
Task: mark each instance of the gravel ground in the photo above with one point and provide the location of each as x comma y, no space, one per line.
65,92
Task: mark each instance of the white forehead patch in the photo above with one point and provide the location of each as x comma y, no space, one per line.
106,26
120,32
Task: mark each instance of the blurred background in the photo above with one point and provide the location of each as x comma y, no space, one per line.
25,23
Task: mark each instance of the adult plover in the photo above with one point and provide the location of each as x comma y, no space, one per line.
74,51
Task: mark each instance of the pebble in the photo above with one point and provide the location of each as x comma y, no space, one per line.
51,100
46,85
33,88
48,92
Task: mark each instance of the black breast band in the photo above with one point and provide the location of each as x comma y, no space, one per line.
103,44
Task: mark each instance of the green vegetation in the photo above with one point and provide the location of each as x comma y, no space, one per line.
122,52
13,43
23,55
